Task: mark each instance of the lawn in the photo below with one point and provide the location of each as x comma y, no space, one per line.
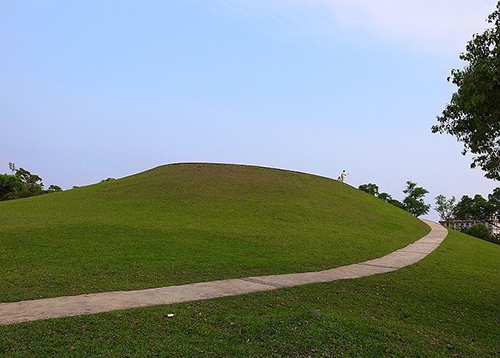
187,223
447,305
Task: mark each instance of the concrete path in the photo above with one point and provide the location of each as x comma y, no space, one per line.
110,301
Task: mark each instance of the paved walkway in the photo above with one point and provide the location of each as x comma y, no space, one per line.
110,301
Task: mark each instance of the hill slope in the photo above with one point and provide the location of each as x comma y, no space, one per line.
187,223
443,306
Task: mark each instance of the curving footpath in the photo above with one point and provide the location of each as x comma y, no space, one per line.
66,306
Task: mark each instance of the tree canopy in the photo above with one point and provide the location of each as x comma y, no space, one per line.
477,208
473,114
412,204
369,188
23,184
414,200
445,207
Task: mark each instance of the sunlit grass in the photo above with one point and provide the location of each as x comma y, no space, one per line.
444,306
189,223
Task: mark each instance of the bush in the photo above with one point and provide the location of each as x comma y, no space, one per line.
481,232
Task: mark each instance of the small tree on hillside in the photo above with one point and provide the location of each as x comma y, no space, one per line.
369,188
385,197
32,184
23,184
414,202
445,207
10,185
397,204
53,189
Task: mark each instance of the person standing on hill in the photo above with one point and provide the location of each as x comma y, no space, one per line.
342,176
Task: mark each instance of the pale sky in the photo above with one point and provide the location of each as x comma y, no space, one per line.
96,89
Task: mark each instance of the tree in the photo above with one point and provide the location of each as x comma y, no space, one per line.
481,232
396,203
494,200
369,188
483,210
445,207
10,185
473,114
385,197
477,208
53,189
32,184
414,202
23,184
464,208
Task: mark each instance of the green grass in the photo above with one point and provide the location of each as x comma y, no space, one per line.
189,223
446,305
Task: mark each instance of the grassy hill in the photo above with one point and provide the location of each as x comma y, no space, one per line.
188,223
446,305
193,222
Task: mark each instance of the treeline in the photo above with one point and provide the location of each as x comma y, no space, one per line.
484,211
23,184
413,202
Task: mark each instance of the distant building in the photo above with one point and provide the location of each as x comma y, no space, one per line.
493,226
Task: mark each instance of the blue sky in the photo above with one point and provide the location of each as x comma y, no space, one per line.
96,89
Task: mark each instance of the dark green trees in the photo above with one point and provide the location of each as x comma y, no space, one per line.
23,184
9,186
494,200
53,189
473,114
369,188
482,210
477,208
413,203
481,232
414,200
31,184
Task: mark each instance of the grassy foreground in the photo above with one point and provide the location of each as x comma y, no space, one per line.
189,223
447,305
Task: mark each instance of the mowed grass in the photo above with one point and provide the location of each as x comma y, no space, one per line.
446,305
186,223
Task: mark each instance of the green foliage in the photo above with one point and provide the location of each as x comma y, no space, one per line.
373,189
481,232
494,200
32,184
23,184
9,186
444,306
53,189
385,197
445,207
188,223
477,208
464,209
414,202
369,188
396,203
473,114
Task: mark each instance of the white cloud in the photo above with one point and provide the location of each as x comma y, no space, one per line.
431,25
